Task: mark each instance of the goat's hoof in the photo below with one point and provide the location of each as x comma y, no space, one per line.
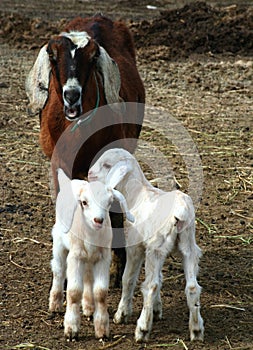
141,335
197,334
120,318
70,335
197,330
71,331
104,337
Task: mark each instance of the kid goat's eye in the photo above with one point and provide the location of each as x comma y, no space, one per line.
84,203
107,166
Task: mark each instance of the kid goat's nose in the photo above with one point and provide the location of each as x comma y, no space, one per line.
98,220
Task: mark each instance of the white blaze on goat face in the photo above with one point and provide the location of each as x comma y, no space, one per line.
72,90
80,39
72,98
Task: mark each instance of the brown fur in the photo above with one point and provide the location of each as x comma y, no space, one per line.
74,296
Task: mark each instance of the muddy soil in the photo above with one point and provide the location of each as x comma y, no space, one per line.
196,61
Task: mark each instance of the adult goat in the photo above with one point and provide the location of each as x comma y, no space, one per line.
89,65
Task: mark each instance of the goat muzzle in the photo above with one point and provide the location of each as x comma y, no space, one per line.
72,113
98,223
72,103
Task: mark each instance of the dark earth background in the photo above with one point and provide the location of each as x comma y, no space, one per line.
196,61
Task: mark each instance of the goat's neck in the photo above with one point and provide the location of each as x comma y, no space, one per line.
136,187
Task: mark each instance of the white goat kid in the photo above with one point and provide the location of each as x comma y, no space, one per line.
163,221
82,238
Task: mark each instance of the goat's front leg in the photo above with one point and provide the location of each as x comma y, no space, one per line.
191,254
58,265
75,270
135,257
101,272
151,293
88,300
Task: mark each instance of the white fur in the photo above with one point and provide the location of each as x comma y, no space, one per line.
82,237
80,39
163,221
37,82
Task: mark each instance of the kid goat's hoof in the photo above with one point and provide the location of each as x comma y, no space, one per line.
71,335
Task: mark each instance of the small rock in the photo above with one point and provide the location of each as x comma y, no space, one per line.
4,85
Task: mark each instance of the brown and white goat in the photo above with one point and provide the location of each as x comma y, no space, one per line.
89,65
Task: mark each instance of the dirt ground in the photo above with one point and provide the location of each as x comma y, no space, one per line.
196,61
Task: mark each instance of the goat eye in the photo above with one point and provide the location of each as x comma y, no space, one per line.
107,166
52,55
84,203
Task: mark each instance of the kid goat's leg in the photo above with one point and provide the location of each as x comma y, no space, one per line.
75,270
101,271
191,254
88,300
150,290
135,257
58,265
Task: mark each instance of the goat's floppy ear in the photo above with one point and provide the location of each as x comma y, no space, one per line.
65,203
118,172
111,78
122,201
37,82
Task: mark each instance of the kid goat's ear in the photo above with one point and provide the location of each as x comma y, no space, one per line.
118,172
65,203
121,199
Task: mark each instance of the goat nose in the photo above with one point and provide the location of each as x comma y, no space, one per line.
71,96
98,220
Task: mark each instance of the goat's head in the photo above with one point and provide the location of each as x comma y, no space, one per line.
95,199
112,166
72,57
